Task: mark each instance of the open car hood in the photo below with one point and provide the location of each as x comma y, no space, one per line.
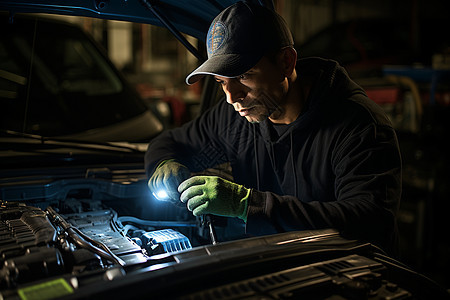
190,17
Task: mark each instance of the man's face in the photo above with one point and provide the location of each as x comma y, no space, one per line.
257,94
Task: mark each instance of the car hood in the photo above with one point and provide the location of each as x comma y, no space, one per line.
190,17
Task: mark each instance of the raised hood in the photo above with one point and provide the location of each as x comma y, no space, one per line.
191,17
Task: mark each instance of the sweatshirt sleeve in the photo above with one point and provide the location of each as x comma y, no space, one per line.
366,167
195,144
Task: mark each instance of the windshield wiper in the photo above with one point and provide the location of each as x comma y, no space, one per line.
108,146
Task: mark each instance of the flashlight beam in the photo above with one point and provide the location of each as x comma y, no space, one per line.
161,195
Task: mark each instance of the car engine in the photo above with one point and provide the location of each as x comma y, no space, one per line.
99,233
38,243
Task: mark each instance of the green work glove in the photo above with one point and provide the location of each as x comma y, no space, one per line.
167,177
214,195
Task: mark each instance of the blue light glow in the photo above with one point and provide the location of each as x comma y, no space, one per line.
161,195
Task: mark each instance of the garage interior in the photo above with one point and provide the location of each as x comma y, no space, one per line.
407,74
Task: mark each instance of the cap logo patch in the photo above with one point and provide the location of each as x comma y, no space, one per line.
217,34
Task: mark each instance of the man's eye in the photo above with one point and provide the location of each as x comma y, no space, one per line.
245,76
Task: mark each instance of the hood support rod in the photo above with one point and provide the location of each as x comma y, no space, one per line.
150,5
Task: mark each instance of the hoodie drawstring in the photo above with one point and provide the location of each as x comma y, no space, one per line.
256,157
292,160
293,165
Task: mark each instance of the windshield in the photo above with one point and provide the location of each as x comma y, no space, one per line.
55,81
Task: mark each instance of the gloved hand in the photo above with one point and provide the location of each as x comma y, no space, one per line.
214,195
167,177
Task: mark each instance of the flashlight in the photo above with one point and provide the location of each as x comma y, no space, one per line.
161,195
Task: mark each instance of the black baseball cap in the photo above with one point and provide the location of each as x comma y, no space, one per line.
239,37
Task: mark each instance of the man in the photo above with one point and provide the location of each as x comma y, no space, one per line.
307,148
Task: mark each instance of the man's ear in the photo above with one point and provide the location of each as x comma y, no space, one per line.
288,59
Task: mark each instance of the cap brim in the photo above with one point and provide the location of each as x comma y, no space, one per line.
226,65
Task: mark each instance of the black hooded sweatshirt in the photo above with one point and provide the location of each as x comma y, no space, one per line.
337,166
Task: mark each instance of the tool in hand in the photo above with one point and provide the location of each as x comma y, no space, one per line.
207,219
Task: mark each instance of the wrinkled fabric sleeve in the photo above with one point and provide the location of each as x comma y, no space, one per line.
195,144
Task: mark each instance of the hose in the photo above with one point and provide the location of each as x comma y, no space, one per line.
82,240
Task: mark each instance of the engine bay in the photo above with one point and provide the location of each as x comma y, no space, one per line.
73,225
103,235
38,243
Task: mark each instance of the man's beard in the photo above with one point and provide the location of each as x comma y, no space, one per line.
266,106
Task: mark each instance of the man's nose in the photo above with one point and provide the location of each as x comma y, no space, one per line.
234,91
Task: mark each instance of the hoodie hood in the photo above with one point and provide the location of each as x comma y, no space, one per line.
329,82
